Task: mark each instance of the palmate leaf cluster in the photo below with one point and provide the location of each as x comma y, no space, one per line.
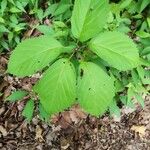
87,63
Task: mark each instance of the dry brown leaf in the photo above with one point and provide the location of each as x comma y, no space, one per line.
80,113
38,135
3,130
65,121
30,32
2,110
7,92
139,129
74,117
64,144
3,84
67,118
3,61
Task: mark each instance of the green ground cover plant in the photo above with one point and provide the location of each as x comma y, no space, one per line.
86,57
15,16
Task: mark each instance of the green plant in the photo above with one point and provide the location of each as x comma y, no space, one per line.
20,13
83,62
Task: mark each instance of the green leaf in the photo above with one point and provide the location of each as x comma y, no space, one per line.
148,21
148,57
57,88
142,34
40,14
145,62
50,10
14,19
1,94
33,54
3,29
20,6
114,109
69,49
116,49
3,6
140,99
2,20
143,4
118,86
15,10
11,1
4,44
95,88
88,18
28,110
135,76
130,94
125,3
142,73
146,51
59,24
47,30
123,99
17,95
145,42
61,9
42,113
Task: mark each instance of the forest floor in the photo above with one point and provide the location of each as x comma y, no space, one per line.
70,130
